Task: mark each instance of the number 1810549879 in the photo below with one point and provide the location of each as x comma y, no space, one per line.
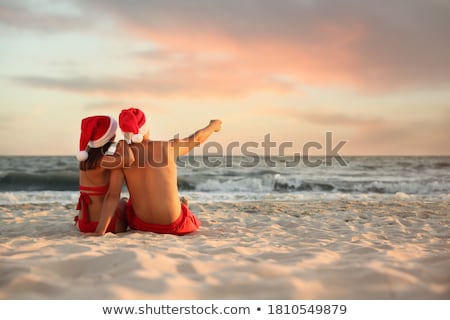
307,309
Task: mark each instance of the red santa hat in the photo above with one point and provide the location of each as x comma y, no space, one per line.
132,123
96,131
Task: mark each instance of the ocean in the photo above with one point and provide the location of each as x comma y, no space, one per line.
34,179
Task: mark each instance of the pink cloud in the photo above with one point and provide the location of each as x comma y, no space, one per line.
371,46
368,46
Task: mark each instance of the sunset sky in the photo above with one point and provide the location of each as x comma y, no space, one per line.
375,73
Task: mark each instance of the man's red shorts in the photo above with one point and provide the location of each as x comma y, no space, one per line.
186,222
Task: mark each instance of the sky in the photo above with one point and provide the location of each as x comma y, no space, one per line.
376,74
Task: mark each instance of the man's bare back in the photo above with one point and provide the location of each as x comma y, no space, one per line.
152,182
152,178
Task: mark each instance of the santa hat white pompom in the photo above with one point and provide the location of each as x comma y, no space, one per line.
82,155
132,123
136,138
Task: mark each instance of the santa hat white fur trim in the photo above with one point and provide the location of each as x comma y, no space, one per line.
83,155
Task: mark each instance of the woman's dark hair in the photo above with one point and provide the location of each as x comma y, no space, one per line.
95,157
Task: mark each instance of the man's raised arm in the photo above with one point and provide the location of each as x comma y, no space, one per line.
183,146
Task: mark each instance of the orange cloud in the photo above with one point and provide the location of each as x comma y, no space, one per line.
194,76
257,60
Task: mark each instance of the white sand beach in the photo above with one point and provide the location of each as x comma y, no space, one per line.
397,248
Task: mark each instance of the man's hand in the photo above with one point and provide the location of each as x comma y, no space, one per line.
216,125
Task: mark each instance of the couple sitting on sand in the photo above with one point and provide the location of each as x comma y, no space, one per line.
149,169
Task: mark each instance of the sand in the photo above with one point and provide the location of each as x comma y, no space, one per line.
397,248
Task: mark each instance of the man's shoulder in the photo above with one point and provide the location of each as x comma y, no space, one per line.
119,155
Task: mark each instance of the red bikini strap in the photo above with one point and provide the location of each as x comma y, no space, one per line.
95,191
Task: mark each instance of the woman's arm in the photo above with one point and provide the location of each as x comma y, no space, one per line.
110,201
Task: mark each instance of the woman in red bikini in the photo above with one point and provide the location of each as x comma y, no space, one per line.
97,146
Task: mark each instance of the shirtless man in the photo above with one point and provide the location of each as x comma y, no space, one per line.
151,179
